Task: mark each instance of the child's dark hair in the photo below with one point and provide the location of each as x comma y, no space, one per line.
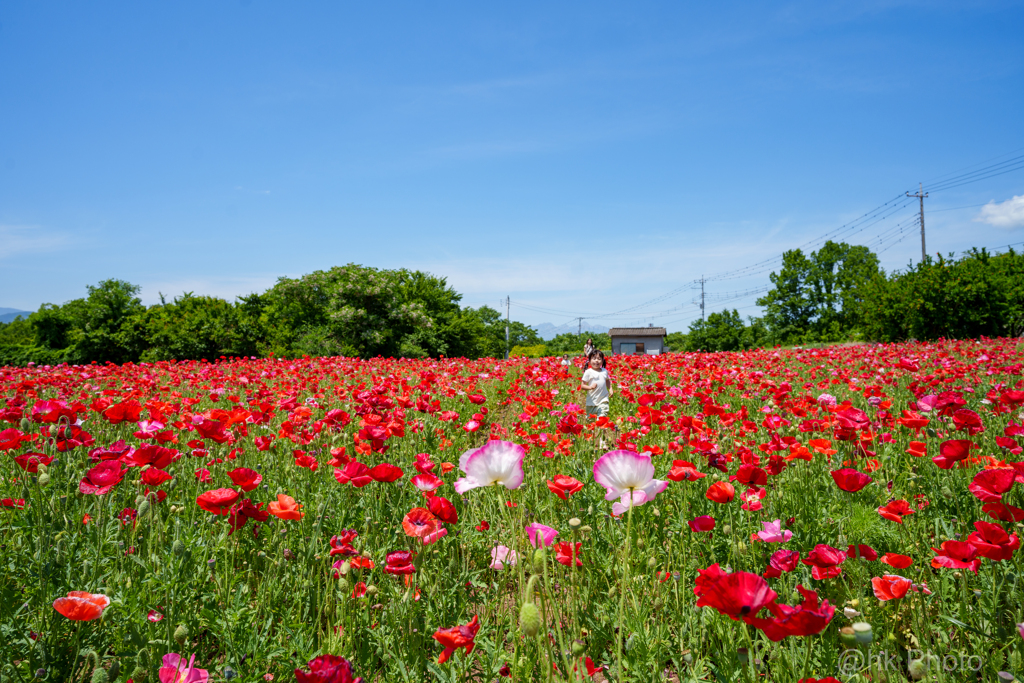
600,354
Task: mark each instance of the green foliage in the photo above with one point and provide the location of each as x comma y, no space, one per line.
723,331
675,341
573,343
492,341
818,298
191,327
981,294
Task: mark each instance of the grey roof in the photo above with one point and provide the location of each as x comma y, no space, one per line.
637,332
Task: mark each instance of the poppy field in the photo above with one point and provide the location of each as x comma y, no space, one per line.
772,515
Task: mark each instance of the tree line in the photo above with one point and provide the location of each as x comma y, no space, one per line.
840,293
348,310
835,294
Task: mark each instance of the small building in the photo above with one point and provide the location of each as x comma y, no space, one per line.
642,340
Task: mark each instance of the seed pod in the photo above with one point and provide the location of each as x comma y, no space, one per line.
181,635
575,522
847,636
529,619
863,633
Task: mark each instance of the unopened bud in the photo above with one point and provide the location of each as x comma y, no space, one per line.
144,507
181,635
652,563
99,675
529,619
44,479
539,556
178,548
578,648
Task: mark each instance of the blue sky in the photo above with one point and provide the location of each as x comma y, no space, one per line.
581,158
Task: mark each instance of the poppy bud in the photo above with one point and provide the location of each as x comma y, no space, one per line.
727,529
25,424
100,675
139,673
862,631
652,563
344,585
578,648
611,592
53,430
139,498
575,523
946,493
345,568
539,556
640,543
371,589
114,670
172,484
144,507
586,529
43,479
180,635
529,619
178,548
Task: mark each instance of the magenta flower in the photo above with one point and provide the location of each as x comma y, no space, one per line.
773,533
541,533
702,523
622,472
496,462
176,670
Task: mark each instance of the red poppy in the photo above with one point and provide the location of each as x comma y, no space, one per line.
102,478
245,478
385,473
896,511
150,454
918,449
721,492
82,606
154,476
243,511
989,486
399,562
30,462
897,561
702,523
126,411
564,486
154,616
865,552
992,541
484,525
1003,512
263,443
419,522
443,509
11,439
736,595
327,669
355,472
781,561
952,452
824,561
890,587
285,507
968,421
18,503
684,471
850,480
461,636
426,482
566,553
218,501
808,618
751,475
956,555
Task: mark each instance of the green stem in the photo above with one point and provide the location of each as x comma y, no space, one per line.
623,586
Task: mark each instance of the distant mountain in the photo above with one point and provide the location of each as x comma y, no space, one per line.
9,314
548,331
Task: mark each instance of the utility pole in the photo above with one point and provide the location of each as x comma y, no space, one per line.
921,194
508,304
702,281
579,326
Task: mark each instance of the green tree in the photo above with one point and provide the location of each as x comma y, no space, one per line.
818,298
99,331
189,328
492,341
573,343
720,332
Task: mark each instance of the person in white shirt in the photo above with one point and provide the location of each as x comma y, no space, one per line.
598,384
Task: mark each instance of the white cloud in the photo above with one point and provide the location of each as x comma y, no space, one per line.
29,239
1008,215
